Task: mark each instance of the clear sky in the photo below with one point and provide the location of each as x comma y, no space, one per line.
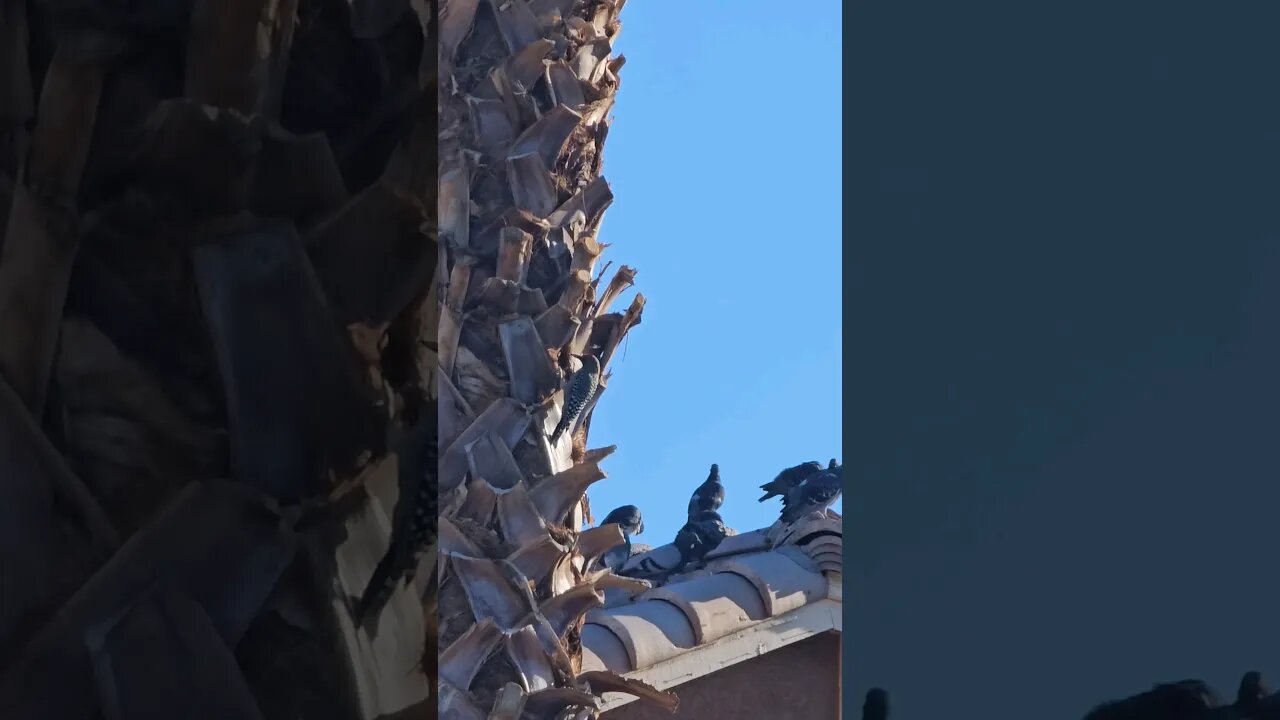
724,159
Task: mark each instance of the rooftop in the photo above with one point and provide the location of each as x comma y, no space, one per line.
758,591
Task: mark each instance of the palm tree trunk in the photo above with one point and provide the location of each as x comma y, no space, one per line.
218,238
526,87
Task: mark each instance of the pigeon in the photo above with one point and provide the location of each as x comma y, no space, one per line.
699,536
814,494
876,705
627,516
788,479
629,519
709,495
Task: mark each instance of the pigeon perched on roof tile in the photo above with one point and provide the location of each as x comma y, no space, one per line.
814,494
629,519
788,479
709,495
702,534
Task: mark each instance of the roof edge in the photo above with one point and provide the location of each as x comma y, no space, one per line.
750,642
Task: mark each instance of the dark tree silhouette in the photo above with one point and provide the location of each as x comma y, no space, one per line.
1183,700
876,705
1254,701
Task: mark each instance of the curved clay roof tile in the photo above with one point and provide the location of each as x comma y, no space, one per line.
650,630
715,605
782,583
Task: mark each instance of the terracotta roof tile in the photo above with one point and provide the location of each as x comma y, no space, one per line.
753,541
798,556
783,584
602,650
750,578
715,605
650,630
653,561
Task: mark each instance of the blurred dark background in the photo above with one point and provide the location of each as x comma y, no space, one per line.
1064,352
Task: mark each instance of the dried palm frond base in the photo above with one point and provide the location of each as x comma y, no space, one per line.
525,91
217,236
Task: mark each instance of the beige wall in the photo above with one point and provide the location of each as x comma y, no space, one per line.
798,682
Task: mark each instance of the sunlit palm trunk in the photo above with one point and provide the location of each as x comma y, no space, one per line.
525,93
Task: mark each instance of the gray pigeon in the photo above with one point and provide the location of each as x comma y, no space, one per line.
627,516
814,494
709,495
788,479
702,534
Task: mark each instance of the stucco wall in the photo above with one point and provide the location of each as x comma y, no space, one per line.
798,682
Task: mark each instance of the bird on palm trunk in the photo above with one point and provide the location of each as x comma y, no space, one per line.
581,388
709,495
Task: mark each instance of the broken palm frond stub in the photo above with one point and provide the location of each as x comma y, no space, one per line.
217,380
526,337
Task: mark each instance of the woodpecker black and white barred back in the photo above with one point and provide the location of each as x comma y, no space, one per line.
709,495
581,388
414,523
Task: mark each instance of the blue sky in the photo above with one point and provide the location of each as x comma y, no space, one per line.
724,159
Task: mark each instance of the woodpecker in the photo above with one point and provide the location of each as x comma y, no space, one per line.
414,524
709,495
788,479
581,388
702,534
815,493
629,519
